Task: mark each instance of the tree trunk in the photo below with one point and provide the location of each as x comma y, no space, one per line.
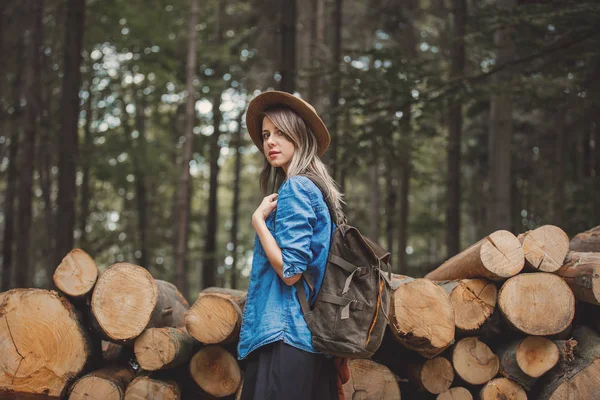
457,70
455,393
33,42
86,150
162,348
421,316
581,271
525,360
287,61
141,193
495,257
11,178
374,204
43,344
537,303
369,380
404,205
545,248
474,362
209,266
235,205
107,383
216,371
501,389
588,241
145,387
183,190
68,136
127,300
336,83
577,379
473,300
77,274
500,133
390,208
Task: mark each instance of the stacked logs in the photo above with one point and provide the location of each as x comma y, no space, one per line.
497,321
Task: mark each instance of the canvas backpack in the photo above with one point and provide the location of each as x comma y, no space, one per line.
349,316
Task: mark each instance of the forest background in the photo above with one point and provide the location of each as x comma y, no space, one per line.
122,133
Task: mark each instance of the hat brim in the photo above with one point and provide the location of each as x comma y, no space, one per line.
271,99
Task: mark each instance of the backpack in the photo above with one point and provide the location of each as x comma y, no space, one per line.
349,316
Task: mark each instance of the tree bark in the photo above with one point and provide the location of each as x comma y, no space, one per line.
183,190
577,379
216,371
287,62
42,342
538,303
525,360
588,241
68,136
495,257
457,70
581,271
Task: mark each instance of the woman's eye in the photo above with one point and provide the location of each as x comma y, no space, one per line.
265,135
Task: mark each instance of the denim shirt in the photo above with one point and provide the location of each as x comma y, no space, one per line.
303,232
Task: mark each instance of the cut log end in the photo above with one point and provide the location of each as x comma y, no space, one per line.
422,317
216,371
213,319
474,362
105,384
502,254
537,304
159,348
437,375
588,241
502,389
123,301
474,301
581,271
42,344
455,393
545,248
76,275
144,387
536,355
584,385
370,380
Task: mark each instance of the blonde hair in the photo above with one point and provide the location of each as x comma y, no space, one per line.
305,161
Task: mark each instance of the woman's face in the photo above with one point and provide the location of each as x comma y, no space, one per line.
278,149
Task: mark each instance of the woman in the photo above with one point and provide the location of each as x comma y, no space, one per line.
293,234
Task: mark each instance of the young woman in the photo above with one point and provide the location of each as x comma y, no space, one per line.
293,234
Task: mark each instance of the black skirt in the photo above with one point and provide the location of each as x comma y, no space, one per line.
281,372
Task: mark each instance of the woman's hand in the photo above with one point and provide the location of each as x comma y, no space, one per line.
264,209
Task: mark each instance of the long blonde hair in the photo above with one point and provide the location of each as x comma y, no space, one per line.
305,161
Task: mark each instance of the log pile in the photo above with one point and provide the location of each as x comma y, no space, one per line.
497,321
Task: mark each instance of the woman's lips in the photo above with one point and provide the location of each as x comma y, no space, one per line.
273,155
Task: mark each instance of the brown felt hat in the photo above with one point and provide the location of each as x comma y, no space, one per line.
273,99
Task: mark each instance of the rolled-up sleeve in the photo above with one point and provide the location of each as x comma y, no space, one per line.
294,223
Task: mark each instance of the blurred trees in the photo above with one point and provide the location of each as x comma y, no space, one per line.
448,118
